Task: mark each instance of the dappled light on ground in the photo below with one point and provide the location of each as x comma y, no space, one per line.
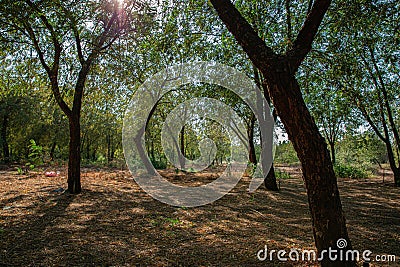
115,223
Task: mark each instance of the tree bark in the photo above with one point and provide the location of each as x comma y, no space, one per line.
74,159
269,180
392,163
5,147
250,134
279,72
52,150
333,153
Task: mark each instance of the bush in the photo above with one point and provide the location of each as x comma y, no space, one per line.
35,157
285,154
361,151
282,174
348,171
159,165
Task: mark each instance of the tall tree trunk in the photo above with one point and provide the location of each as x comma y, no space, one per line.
392,163
250,135
333,153
320,180
329,224
396,173
52,150
269,180
182,141
152,150
88,150
74,160
4,142
108,147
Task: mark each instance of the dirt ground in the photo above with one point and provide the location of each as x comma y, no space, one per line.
115,223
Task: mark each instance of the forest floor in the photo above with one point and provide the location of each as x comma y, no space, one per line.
115,223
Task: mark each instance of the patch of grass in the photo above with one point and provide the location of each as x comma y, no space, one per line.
282,175
172,221
349,171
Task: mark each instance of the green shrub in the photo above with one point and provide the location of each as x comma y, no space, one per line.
348,171
35,156
159,165
282,174
285,154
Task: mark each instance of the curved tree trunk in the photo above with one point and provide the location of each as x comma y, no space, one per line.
328,220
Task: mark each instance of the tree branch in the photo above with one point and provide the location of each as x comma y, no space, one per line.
245,35
35,42
303,42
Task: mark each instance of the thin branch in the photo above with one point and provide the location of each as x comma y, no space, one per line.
35,41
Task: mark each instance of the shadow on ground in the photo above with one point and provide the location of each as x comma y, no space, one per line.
114,223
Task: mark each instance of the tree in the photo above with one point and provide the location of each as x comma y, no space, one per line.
328,105
57,30
19,104
279,73
369,68
270,179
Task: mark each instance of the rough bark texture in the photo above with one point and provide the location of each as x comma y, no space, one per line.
279,70
74,159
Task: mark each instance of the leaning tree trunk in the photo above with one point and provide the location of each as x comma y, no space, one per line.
328,220
74,161
323,195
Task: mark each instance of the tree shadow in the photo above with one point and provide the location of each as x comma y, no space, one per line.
115,223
